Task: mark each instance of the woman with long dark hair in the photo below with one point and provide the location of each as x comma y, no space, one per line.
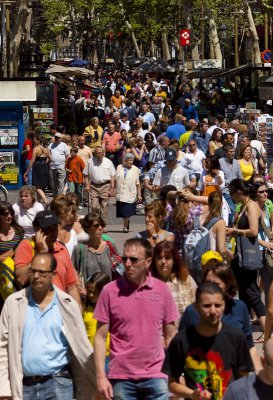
10,232
247,226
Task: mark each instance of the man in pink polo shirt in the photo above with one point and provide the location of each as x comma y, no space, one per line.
137,310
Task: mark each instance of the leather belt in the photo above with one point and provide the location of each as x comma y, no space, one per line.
31,380
100,184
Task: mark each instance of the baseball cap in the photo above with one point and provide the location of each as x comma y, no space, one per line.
58,134
44,219
231,130
211,255
170,154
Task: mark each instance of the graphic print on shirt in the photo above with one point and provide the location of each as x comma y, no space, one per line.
207,371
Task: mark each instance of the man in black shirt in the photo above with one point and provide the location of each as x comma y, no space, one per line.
209,354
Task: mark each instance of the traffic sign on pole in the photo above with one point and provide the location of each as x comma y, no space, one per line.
266,56
184,37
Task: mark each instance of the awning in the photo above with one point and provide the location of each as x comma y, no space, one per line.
216,73
69,71
155,65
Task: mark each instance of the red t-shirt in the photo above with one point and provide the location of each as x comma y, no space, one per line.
66,274
28,155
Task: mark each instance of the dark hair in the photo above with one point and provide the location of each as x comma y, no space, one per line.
141,243
211,120
225,273
52,259
145,125
180,269
73,199
253,190
242,150
148,136
61,129
6,206
99,279
89,220
239,184
228,147
165,190
215,131
209,288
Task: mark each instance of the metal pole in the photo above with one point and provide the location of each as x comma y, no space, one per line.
266,31
8,38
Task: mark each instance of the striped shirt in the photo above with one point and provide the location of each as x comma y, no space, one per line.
6,245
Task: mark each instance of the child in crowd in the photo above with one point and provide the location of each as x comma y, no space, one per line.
74,168
94,286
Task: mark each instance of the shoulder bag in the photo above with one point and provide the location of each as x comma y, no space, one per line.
248,250
268,253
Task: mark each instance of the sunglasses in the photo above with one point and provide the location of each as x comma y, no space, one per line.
6,213
40,272
191,145
262,191
97,225
133,260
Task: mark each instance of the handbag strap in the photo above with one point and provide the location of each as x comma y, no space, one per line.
241,213
266,230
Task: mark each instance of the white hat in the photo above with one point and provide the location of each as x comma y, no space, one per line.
269,103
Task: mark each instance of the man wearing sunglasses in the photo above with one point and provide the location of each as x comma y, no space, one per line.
138,310
43,341
45,240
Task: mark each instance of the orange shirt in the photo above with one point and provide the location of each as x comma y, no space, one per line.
66,275
77,165
117,101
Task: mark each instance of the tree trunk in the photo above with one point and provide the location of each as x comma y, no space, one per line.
129,26
214,40
152,48
165,47
17,35
138,53
73,29
255,38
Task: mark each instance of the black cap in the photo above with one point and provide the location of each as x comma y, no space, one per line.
44,219
170,154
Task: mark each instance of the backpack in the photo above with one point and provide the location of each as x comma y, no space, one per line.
197,243
8,284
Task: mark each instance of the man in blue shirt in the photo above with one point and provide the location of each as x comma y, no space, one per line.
177,129
202,137
42,335
190,111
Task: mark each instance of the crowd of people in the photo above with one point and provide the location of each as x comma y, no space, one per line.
171,317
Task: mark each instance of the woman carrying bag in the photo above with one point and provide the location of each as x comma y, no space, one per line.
247,260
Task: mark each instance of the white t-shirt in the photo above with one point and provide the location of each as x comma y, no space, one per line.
179,177
257,144
73,241
99,171
193,162
24,217
59,152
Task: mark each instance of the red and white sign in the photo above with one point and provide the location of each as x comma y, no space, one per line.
184,37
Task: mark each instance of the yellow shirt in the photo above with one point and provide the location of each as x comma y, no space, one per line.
161,94
90,132
246,169
91,327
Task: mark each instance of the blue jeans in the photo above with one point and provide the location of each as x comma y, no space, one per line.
232,207
29,176
143,389
56,388
76,188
